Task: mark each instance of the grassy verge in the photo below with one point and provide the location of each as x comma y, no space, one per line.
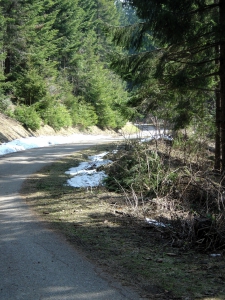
101,225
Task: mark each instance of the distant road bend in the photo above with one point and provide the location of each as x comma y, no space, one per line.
36,263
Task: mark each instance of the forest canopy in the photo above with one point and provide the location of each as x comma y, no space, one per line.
174,58
54,64
101,62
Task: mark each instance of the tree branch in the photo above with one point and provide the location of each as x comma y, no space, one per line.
210,6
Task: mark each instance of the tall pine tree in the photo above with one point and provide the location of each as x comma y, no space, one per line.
189,40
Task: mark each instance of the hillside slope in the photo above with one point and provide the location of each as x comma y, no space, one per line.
10,130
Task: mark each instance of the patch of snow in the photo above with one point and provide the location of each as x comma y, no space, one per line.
157,137
215,254
46,141
154,222
86,175
87,179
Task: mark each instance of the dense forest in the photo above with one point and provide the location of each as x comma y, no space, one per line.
102,62
55,64
175,64
173,60
161,206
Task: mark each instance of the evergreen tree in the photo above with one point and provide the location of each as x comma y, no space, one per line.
127,14
2,60
68,25
54,60
29,42
90,75
186,35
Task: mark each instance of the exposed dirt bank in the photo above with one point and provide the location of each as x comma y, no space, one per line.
10,130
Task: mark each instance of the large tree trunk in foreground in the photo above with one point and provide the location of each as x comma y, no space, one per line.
222,81
217,162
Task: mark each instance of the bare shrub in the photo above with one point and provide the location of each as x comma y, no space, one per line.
177,188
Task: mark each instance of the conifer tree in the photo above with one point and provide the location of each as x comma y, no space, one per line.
29,40
90,75
54,59
186,35
68,24
2,51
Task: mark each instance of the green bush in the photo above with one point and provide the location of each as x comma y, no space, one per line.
30,87
4,103
140,169
83,114
28,116
6,106
57,116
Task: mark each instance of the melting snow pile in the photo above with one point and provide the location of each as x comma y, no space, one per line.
157,137
86,175
154,222
45,141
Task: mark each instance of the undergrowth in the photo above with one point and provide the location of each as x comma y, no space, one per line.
111,230
173,182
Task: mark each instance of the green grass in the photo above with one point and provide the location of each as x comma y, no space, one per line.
129,128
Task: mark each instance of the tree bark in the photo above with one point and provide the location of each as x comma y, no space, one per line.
218,132
217,162
222,80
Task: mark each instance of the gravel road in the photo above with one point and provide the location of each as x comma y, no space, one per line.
35,262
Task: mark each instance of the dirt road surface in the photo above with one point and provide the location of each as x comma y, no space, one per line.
35,262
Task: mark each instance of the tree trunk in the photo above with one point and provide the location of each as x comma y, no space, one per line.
222,80
217,162
7,63
218,132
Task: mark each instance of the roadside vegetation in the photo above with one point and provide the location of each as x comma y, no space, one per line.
103,63
178,257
